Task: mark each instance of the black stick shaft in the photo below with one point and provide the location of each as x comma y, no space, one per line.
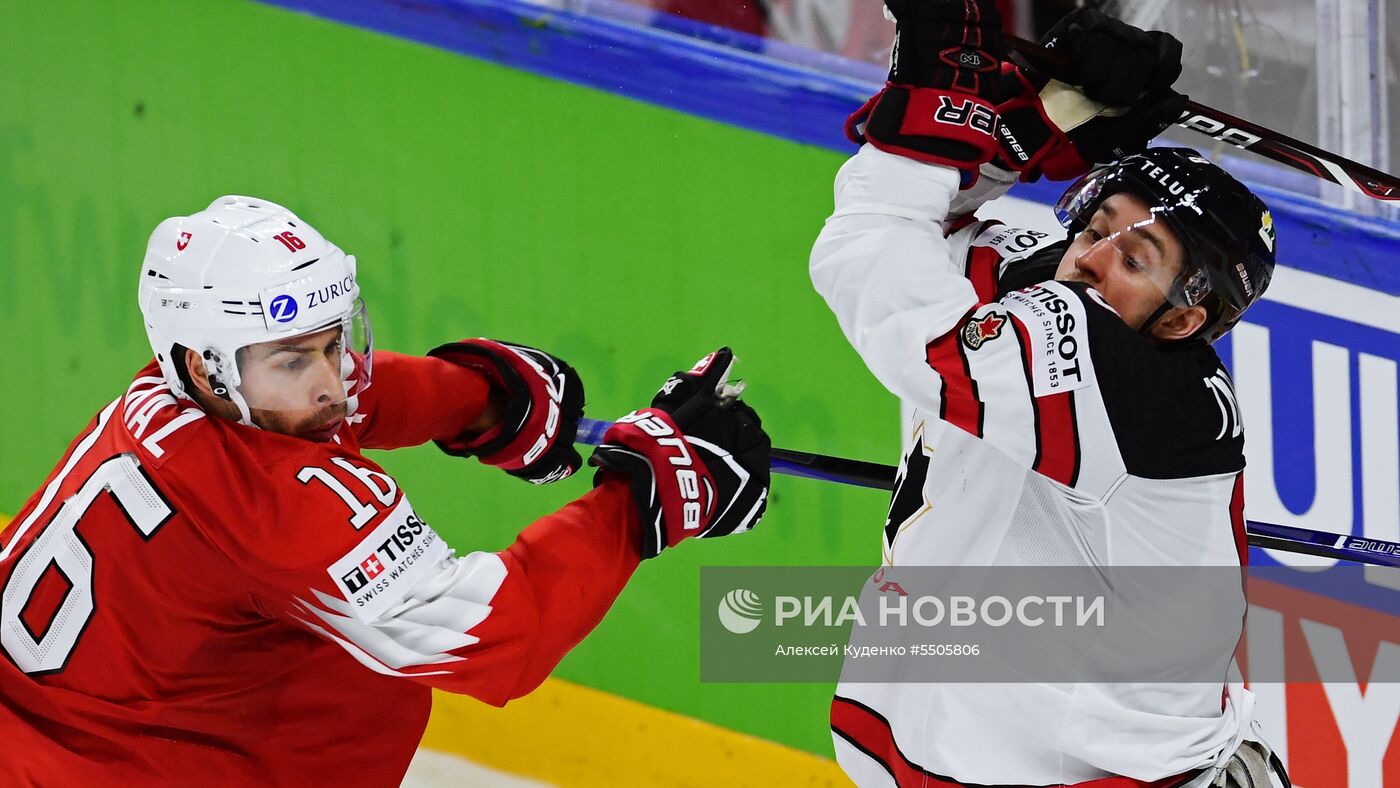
878,476
1245,135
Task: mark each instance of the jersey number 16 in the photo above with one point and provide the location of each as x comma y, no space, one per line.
60,546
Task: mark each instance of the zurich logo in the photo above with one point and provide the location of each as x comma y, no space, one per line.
740,611
283,309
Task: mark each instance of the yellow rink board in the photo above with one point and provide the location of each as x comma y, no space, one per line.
571,735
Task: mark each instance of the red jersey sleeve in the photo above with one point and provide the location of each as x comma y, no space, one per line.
561,576
414,400
331,543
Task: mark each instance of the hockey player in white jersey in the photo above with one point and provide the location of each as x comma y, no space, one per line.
1068,408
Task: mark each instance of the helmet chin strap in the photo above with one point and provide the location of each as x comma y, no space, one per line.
1154,317
224,380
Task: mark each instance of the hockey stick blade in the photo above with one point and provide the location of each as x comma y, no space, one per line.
1224,127
875,475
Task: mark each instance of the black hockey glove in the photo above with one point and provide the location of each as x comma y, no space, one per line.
1113,62
698,458
1115,98
939,103
535,439
1040,267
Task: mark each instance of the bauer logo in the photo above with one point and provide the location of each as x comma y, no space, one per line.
740,611
283,309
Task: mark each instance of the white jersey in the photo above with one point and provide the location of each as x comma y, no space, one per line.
1045,432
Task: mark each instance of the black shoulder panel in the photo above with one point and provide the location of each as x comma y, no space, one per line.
1172,408
1032,270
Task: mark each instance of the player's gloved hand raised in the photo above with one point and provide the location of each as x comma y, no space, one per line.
1121,98
939,103
1112,61
697,459
535,438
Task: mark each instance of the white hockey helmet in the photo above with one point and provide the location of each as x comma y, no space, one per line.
241,272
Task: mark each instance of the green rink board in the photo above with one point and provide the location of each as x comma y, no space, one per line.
480,201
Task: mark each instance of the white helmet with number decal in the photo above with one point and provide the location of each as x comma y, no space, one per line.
245,271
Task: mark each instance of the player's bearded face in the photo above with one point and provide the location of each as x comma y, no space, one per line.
1127,257
295,386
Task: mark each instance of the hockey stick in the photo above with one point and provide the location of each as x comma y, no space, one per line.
882,477
1224,127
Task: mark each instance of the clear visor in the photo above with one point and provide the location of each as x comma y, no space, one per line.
1146,252
1144,239
308,380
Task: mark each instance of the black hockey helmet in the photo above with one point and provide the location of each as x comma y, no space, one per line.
1227,232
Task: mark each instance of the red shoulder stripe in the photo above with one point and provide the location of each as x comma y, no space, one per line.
1059,438
1237,520
982,264
958,404
1056,427
1024,337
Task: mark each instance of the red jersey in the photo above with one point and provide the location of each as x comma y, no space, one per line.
189,600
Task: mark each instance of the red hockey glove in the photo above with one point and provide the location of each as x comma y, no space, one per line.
1123,99
698,458
939,103
535,439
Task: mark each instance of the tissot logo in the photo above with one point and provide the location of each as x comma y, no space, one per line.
1064,344
372,567
387,552
354,580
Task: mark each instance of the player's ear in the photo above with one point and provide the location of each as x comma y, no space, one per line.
199,375
1179,323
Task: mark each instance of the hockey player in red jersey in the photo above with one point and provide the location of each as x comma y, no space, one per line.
216,587
1067,406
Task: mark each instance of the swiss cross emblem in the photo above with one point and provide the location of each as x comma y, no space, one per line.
978,331
183,242
372,567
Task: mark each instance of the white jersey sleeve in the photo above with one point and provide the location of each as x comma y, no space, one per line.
918,307
887,272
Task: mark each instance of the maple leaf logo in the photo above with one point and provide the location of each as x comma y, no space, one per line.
982,330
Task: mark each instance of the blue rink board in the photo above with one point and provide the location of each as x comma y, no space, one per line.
805,96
